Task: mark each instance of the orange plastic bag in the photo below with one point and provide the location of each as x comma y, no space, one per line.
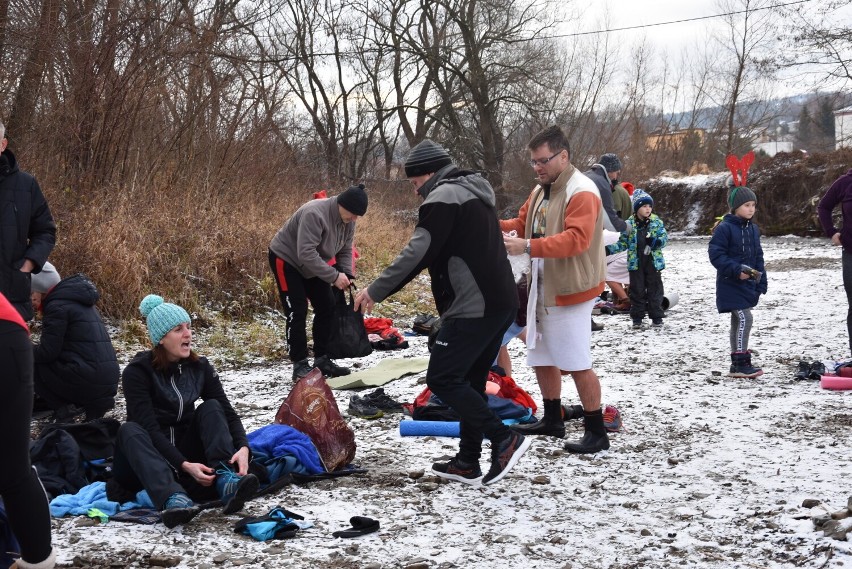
310,408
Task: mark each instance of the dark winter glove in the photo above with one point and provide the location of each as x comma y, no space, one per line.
655,244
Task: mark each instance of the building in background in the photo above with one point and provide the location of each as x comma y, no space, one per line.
843,128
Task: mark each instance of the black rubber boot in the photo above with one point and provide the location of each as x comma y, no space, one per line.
594,439
741,366
550,425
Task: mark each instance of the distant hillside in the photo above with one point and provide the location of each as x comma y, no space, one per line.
788,188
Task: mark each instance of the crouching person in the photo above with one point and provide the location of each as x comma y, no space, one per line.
176,451
75,361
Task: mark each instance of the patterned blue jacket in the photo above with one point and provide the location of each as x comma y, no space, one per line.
653,233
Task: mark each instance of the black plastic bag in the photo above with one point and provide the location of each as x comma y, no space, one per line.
348,338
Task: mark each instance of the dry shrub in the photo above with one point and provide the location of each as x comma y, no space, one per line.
200,248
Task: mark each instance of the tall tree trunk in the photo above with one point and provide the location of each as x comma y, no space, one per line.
32,75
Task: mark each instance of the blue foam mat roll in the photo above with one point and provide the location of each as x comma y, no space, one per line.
429,428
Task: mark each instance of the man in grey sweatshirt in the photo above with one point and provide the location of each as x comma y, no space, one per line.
311,253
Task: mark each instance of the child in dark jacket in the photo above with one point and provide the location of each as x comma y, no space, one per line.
75,362
740,276
644,241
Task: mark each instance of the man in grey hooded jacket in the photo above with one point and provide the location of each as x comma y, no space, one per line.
458,239
311,253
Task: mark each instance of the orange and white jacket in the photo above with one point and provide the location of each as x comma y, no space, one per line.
572,248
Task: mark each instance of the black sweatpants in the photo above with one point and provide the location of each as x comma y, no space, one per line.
23,494
458,369
139,465
295,292
646,291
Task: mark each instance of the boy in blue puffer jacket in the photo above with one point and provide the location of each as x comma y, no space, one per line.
740,276
644,240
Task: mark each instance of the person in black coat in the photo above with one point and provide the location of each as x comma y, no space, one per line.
27,230
176,450
75,362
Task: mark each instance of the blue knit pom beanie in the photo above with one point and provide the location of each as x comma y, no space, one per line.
640,198
161,316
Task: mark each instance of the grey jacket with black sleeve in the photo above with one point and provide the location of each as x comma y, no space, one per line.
312,237
458,239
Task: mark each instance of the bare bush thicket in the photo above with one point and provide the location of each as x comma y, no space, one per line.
173,138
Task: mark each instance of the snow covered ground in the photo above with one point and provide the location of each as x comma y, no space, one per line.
710,471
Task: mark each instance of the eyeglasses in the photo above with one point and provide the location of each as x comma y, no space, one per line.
543,161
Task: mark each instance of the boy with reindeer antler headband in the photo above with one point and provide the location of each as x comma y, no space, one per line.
736,253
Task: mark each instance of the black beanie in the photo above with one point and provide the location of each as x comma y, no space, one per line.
740,195
354,200
610,162
426,158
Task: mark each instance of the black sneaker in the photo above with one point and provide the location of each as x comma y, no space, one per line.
360,408
637,325
301,368
505,455
381,400
459,471
816,371
803,370
329,368
657,324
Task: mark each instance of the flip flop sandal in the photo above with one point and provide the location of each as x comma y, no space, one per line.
361,525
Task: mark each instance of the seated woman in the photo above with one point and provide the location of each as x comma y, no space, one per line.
25,501
75,361
176,451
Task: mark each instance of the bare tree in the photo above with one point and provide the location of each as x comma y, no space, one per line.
745,73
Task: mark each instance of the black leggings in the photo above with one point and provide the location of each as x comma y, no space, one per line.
23,494
295,291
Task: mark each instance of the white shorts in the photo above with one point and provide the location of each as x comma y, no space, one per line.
616,268
564,337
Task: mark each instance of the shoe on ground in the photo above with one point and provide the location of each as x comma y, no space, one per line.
571,412
505,455
612,419
804,369
382,401
459,471
178,510
816,371
540,427
358,407
657,324
301,368
589,444
329,368
235,490
597,326
638,325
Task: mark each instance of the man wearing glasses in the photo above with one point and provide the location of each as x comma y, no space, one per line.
562,225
